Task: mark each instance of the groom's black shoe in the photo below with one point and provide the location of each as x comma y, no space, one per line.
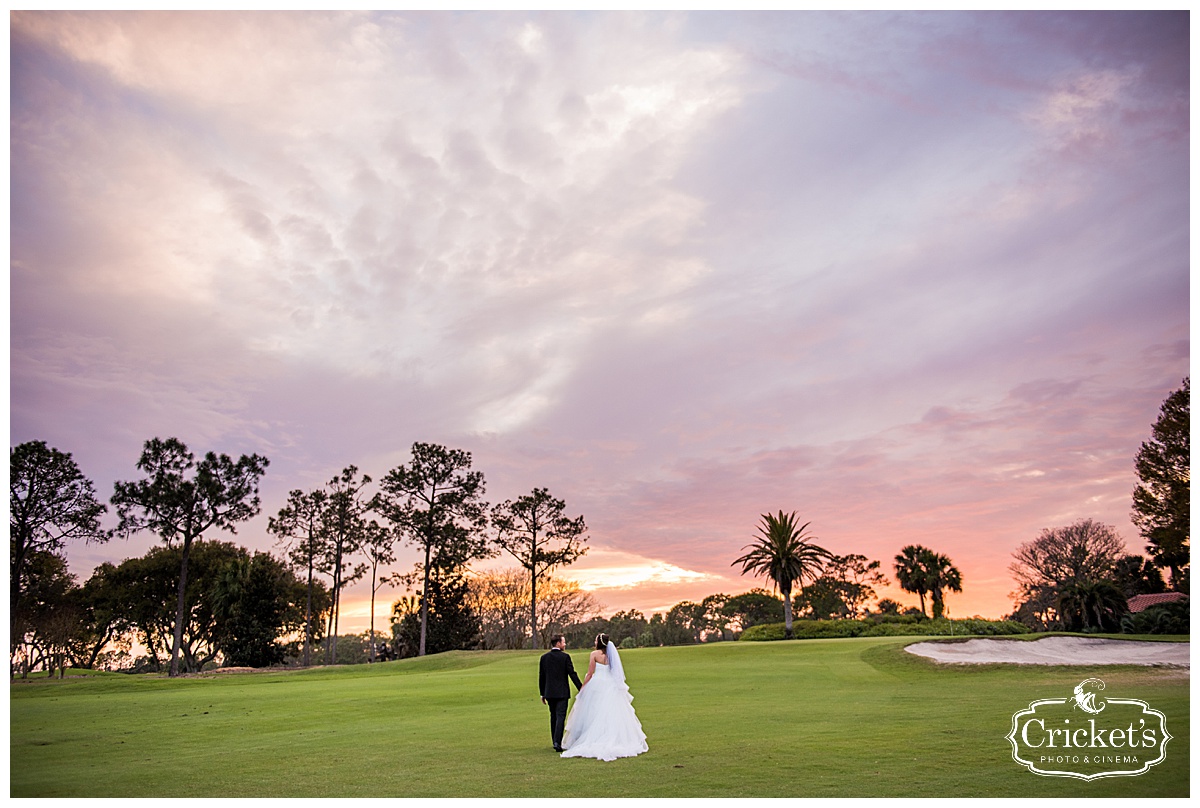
558,749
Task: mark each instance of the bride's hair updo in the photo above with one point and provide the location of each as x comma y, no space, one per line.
601,642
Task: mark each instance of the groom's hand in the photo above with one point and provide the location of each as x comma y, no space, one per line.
543,699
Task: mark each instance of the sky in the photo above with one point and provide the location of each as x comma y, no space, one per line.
922,278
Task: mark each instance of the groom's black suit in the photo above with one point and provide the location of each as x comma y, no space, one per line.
553,673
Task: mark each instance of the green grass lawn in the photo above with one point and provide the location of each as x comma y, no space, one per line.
812,718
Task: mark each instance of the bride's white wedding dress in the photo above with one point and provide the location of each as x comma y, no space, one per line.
602,724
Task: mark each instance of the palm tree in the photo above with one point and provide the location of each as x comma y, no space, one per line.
783,553
911,573
940,574
1081,601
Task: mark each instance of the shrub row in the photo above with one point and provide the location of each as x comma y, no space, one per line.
826,629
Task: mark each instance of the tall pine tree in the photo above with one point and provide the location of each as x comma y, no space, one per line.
1161,503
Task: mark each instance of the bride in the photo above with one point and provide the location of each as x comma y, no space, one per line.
602,724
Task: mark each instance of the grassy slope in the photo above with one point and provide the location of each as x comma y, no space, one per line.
829,718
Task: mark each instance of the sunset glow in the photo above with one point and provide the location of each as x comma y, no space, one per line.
616,570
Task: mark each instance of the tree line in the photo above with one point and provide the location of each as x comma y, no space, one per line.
191,601
332,535
1074,578
833,586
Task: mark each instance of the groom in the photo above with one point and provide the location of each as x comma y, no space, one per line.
553,671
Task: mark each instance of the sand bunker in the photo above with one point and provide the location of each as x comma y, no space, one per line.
1057,651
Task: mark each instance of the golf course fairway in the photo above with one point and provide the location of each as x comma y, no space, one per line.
808,718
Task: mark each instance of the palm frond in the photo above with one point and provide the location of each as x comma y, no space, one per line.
782,552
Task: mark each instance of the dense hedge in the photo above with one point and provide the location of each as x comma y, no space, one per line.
822,629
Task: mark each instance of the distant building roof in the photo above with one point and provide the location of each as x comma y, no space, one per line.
1139,603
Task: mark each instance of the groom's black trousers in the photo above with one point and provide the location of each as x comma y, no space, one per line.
558,719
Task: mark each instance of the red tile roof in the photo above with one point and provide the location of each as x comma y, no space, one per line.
1139,603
